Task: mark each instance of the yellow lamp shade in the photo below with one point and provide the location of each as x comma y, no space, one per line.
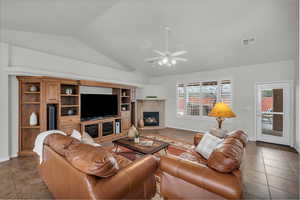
221,110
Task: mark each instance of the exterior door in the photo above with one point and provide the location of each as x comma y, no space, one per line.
272,113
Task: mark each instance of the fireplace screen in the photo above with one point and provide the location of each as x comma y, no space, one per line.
151,118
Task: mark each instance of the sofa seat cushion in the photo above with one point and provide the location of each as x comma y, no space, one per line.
60,143
227,156
92,160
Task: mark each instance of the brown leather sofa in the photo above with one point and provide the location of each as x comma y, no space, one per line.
217,177
69,167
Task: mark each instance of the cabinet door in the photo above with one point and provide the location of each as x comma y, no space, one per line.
126,120
52,92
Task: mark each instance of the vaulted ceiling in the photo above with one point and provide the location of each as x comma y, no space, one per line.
127,31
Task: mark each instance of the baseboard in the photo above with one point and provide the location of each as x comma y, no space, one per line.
297,148
252,139
4,159
14,156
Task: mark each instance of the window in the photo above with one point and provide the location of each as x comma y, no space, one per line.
180,99
192,99
208,96
198,99
225,93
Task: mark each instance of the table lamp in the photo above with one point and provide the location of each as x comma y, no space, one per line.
221,111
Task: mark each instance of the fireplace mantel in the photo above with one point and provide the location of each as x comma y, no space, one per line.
151,105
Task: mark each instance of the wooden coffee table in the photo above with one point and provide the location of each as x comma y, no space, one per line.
141,149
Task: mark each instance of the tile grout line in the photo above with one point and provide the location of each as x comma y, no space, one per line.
266,174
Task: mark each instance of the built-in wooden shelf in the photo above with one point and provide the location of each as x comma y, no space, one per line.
52,91
26,127
69,106
69,95
31,92
31,103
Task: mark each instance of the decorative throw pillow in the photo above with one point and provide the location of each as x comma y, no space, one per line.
76,134
207,145
87,139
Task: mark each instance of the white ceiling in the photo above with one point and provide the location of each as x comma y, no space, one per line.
128,30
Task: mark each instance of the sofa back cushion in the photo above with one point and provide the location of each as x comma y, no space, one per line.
92,160
240,135
227,156
60,143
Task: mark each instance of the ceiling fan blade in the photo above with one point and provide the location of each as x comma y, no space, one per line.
152,59
180,59
178,53
159,52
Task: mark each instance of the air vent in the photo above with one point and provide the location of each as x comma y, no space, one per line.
248,41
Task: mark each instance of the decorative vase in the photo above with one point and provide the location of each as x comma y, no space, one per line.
141,123
70,112
33,121
137,140
69,91
33,88
132,132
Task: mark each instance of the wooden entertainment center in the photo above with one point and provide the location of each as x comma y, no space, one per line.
37,94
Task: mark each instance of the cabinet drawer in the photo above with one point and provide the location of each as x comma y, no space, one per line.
69,128
70,120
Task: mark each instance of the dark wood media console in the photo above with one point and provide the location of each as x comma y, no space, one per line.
36,94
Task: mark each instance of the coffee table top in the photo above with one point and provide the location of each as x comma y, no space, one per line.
130,144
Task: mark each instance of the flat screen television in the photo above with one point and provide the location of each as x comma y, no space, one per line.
98,105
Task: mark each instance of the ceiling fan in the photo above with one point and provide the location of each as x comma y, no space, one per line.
166,58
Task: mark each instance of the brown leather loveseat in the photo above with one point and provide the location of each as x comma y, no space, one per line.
73,170
217,177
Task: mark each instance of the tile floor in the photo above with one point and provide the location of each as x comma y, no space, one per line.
269,172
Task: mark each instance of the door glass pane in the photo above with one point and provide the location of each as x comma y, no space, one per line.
272,100
272,124
267,100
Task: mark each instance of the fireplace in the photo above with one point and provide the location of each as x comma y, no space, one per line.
151,118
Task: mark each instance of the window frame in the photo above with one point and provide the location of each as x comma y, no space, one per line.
185,83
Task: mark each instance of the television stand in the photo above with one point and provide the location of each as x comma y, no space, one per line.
104,129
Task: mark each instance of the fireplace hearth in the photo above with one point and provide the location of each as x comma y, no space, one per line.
151,118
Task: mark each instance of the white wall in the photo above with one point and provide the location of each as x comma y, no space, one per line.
4,102
244,79
17,60
95,90
298,89
67,47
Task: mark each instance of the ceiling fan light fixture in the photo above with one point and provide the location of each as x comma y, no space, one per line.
167,58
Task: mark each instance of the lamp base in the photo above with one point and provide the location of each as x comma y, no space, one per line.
220,133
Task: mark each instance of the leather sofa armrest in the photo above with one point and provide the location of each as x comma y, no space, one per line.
197,138
223,184
127,179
